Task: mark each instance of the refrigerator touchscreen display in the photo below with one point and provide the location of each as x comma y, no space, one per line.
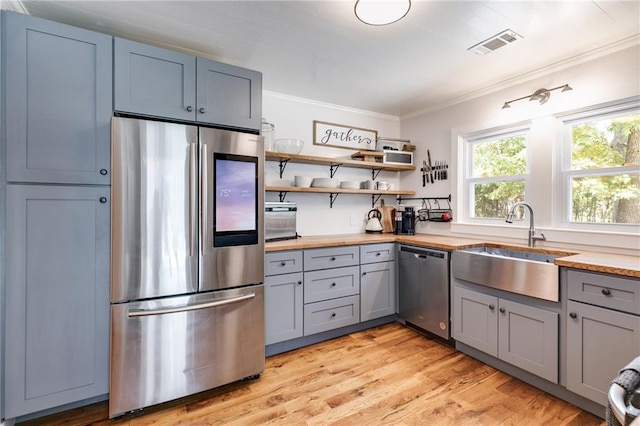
236,200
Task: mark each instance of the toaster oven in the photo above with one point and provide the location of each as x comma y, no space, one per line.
279,221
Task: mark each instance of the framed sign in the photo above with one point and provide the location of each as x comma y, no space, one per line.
342,136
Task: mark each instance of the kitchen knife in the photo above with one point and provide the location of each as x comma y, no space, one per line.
424,173
430,168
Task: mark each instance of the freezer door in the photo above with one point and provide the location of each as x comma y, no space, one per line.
173,347
232,214
154,209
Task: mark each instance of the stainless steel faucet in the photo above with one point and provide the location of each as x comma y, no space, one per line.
532,231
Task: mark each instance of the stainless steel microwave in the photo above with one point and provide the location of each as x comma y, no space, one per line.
397,157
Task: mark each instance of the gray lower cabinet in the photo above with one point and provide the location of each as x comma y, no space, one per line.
283,296
159,82
331,314
475,319
603,330
57,296
58,91
378,281
283,307
522,335
528,338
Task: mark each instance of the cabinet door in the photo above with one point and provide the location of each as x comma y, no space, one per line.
475,319
283,307
59,102
377,290
57,296
152,81
600,342
528,338
228,95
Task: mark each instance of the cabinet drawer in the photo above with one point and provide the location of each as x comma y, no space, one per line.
621,294
330,314
373,253
282,262
331,283
334,257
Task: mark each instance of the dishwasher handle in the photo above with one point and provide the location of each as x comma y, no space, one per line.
170,310
422,253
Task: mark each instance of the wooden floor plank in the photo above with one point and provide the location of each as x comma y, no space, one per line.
388,375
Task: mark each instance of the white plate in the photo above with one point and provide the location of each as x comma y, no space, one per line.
349,184
324,183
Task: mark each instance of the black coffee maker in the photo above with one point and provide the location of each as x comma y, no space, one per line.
407,226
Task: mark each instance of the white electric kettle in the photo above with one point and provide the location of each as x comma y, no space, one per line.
373,222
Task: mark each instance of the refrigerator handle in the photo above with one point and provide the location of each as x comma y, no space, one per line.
148,312
204,172
193,201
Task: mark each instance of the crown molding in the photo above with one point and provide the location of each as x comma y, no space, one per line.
377,115
13,5
605,50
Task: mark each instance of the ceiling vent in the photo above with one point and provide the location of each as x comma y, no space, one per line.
495,42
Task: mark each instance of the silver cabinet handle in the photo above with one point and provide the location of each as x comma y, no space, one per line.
201,110
103,172
491,307
573,315
606,292
502,310
189,108
148,312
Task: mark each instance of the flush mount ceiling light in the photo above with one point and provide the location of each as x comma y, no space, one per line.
381,12
540,95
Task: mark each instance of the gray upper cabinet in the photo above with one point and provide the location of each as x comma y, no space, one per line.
158,82
153,81
58,92
57,296
228,95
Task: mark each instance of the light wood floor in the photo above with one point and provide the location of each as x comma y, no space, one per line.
386,375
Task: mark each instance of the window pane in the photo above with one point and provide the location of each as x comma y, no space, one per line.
492,200
606,143
606,199
501,157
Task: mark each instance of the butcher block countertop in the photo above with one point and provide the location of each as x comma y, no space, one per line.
590,261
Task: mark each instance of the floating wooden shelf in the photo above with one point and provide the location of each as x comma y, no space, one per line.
338,190
334,163
334,192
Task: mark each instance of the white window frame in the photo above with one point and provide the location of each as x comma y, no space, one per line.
601,112
471,139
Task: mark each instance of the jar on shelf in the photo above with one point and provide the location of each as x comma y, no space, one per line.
268,132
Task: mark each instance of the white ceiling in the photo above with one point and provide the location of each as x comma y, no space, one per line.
319,50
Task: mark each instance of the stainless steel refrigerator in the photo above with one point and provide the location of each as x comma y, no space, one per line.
187,250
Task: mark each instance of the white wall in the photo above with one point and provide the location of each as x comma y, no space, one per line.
595,80
293,118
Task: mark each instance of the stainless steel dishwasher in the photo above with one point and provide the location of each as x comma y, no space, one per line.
423,286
